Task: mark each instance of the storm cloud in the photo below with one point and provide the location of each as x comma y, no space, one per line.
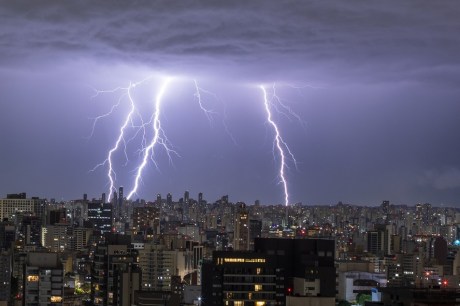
376,85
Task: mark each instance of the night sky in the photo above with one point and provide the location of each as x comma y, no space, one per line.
375,84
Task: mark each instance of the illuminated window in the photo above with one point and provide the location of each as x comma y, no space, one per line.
257,287
260,303
32,278
250,296
258,270
56,299
238,303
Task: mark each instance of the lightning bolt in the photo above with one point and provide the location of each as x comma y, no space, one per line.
209,114
159,138
279,144
134,120
198,90
121,136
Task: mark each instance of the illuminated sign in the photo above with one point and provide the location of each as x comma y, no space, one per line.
240,260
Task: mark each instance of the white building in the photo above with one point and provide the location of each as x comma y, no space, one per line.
353,282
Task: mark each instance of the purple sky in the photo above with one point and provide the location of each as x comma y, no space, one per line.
380,115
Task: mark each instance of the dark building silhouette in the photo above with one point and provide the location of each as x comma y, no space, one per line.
56,216
169,199
255,231
115,273
440,250
277,268
7,235
31,230
234,277
120,201
310,259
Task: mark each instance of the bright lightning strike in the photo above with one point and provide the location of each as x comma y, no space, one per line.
121,137
134,121
159,138
278,143
198,91
208,113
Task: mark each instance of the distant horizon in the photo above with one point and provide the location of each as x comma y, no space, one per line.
163,197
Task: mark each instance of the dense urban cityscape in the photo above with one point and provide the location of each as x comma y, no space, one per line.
189,251
229,153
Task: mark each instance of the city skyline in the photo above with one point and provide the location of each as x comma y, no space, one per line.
375,88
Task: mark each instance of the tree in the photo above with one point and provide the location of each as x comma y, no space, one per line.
361,298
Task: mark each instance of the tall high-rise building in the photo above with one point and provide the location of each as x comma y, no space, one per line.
186,197
56,237
308,263
116,210
241,234
115,274
278,272
30,230
7,235
100,215
80,238
375,242
241,278
255,231
57,215
146,219
160,265
200,198
5,276
120,200
169,199
43,279
158,201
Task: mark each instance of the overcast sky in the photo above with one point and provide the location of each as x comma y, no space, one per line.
376,86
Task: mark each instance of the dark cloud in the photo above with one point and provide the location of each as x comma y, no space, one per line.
377,40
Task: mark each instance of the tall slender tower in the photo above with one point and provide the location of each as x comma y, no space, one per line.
158,202
120,201
241,236
186,197
169,199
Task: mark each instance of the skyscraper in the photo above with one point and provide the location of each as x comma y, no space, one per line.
158,202
115,274
186,197
241,234
43,281
120,201
100,215
169,199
